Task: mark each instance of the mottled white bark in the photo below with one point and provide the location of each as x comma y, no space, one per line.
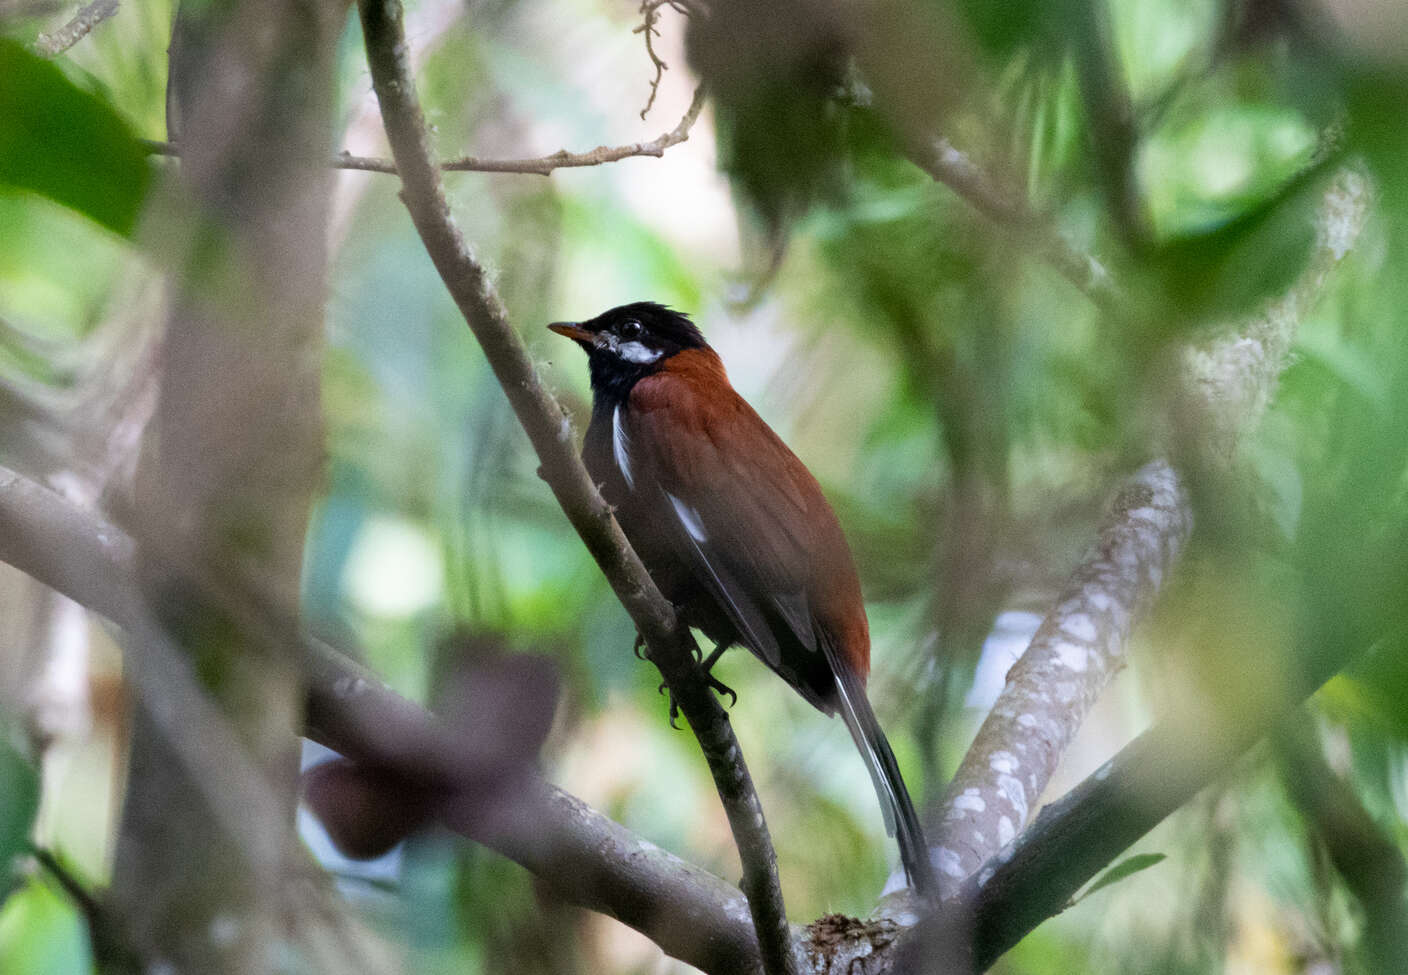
1078,648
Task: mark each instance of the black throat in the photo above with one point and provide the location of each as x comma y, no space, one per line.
613,378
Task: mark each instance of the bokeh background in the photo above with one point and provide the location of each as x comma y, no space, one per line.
967,409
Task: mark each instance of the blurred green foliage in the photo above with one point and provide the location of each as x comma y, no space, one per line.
19,801
67,144
41,933
967,410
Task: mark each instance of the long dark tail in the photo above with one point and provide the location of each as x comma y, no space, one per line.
901,821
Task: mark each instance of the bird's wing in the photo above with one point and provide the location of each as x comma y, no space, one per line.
749,515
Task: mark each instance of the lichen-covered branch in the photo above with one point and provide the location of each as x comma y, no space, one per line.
1078,648
1229,381
1076,837
51,45
547,427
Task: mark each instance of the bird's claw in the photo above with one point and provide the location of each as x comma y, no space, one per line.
639,647
721,688
710,681
674,707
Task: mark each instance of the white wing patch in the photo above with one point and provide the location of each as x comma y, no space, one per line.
761,642
689,518
619,444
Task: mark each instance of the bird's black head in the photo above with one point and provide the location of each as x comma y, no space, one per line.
628,343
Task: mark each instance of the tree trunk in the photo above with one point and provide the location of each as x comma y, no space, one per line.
230,465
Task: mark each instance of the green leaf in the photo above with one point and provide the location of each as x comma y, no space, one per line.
1121,870
19,802
66,144
42,933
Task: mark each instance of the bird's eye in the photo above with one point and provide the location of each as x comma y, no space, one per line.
631,330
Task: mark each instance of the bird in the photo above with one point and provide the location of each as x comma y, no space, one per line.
734,529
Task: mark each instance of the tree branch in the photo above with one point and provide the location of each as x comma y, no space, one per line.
1078,648
586,858
958,172
596,863
51,45
540,166
671,648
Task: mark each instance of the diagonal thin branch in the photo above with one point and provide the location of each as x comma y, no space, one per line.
51,45
671,648
946,164
539,166
940,159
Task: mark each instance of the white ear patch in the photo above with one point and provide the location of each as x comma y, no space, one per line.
637,353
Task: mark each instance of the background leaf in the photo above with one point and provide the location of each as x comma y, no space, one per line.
1122,870
19,802
66,144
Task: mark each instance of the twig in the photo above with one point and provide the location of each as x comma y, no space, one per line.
551,434
109,950
86,903
650,10
585,857
540,166
958,172
90,16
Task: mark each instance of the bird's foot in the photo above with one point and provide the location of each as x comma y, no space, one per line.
720,688
710,681
674,705
639,648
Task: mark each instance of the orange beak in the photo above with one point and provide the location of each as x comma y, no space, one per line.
573,331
